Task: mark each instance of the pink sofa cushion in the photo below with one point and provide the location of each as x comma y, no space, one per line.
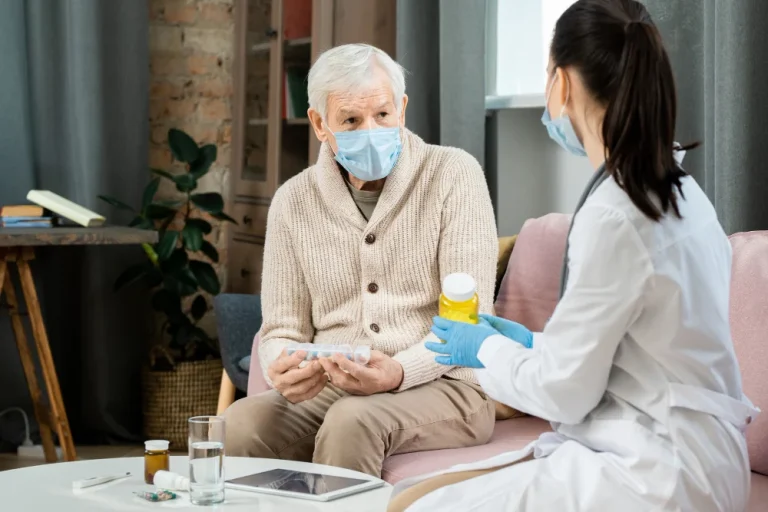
758,496
508,435
256,381
749,328
530,288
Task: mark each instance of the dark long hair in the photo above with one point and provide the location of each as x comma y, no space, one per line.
618,52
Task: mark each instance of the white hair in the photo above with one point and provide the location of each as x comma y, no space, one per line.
350,67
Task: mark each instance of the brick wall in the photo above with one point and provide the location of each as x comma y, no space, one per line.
191,51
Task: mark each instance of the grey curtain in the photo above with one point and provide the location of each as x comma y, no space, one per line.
720,59
74,120
441,44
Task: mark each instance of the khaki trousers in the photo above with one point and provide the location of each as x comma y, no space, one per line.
359,432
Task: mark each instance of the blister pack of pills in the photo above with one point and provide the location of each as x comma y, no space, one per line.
360,355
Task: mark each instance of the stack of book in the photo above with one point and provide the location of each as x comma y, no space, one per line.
24,216
48,210
295,95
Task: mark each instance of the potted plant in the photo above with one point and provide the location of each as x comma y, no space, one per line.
184,370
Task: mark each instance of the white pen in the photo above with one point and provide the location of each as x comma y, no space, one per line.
97,480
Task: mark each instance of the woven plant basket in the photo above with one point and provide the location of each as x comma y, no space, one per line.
172,397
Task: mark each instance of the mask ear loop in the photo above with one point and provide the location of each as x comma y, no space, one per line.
567,96
549,90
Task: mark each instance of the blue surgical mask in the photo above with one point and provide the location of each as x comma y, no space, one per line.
561,129
369,155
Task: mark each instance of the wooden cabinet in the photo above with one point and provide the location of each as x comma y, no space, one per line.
275,43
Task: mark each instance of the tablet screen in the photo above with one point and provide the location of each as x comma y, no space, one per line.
297,481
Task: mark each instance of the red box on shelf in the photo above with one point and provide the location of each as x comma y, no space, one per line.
297,19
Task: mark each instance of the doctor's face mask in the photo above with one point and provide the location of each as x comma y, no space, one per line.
561,129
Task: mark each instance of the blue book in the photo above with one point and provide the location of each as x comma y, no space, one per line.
14,220
26,222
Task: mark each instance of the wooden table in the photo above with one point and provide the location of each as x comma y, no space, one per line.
17,246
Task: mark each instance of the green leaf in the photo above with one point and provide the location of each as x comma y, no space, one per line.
151,254
223,216
164,174
176,262
166,301
180,283
206,276
130,275
149,193
183,147
199,307
158,211
203,225
210,251
141,223
167,244
211,202
170,203
185,182
193,237
116,203
205,159
188,282
154,277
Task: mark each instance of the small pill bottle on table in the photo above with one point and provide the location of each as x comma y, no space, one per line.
157,457
459,301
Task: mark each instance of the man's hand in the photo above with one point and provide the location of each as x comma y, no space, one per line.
381,374
294,383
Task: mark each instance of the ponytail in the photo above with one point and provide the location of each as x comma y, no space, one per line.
620,56
639,124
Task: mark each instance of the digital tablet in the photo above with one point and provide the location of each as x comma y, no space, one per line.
299,484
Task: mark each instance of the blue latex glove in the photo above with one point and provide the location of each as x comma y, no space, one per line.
462,342
510,329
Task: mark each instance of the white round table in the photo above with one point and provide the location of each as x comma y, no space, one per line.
49,488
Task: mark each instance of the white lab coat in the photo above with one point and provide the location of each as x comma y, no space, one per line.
635,370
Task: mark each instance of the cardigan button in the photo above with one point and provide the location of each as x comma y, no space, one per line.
373,287
749,420
375,328
370,238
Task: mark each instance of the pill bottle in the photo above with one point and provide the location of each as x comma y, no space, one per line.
459,301
171,481
156,458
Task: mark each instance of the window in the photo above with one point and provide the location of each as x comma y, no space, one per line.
518,37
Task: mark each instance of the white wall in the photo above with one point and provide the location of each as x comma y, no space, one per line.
534,176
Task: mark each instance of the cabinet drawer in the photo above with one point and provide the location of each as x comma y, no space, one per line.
245,265
251,219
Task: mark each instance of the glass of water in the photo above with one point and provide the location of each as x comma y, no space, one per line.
206,460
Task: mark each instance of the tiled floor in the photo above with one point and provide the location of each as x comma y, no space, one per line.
11,461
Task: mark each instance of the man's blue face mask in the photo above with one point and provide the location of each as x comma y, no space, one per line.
369,155
561,129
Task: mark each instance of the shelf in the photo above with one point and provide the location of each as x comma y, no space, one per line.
264,47
298,121
515,101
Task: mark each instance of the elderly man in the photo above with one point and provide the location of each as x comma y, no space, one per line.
356,249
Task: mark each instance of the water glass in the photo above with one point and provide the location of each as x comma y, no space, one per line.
206,460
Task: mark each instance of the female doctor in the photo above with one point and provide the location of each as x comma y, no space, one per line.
635,369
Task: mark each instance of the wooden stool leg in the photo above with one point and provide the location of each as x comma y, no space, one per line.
41,411
44,354
226,393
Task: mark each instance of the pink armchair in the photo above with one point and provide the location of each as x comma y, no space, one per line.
529,292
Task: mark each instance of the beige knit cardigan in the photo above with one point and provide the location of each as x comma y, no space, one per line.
331,277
